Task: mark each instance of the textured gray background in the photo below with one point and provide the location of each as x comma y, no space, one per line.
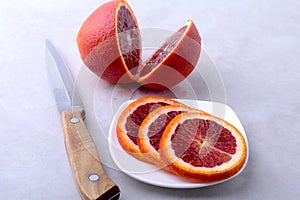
255,45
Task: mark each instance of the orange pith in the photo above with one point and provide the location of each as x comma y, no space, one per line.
131,118
202,148
103,46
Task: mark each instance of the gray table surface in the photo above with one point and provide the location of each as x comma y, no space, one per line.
254,44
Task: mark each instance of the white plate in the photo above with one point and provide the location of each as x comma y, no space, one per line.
151,174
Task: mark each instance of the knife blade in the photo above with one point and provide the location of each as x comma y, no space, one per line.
91,179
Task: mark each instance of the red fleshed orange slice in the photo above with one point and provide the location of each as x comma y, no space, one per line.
152,128
202,148
131,118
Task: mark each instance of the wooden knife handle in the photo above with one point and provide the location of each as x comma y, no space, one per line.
91,179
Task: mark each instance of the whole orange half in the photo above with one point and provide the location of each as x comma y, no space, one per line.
174,60
109,42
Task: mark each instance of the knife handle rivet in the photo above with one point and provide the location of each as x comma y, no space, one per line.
94,177
74,120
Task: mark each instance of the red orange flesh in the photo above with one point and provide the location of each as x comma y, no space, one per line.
202,148
131,118
152,128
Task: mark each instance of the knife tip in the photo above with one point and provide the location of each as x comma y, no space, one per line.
48,42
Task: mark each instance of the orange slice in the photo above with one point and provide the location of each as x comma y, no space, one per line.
131,118
152,128
202,148
109,42
174,60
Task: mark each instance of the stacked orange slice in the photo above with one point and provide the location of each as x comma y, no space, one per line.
152,128
131,119
187,142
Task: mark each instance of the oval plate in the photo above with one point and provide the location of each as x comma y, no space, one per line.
153,175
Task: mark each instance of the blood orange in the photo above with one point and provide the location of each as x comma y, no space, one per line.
131,118
109,42
153,126
203,148
174,60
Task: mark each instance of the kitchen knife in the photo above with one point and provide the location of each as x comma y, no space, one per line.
91,179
